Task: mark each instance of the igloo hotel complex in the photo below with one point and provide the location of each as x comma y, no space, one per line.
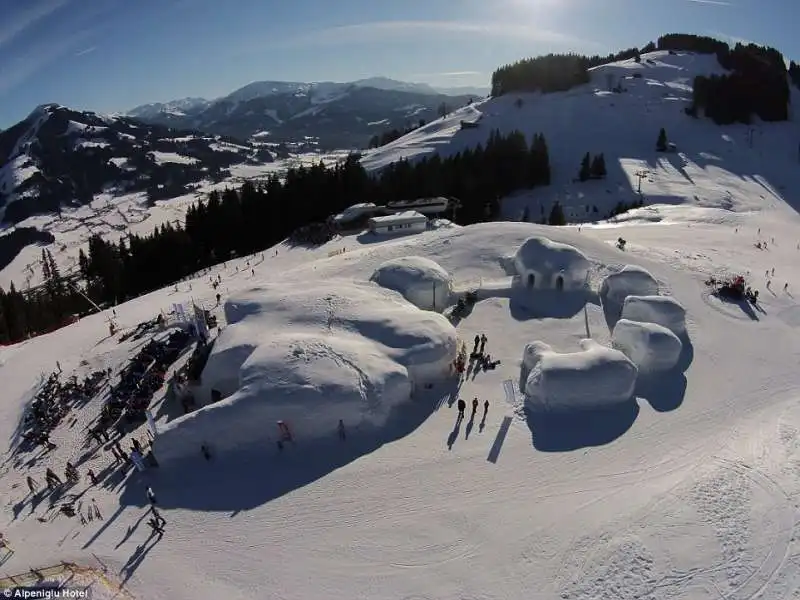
358,351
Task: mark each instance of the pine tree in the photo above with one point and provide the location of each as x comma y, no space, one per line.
586,171
661,143
557,215
598,167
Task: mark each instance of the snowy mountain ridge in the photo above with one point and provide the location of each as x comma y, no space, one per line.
336,115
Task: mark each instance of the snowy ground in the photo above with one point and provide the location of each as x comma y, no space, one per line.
690,493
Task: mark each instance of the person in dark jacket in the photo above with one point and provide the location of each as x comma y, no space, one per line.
461,407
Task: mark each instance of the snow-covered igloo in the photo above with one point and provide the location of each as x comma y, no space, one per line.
307,380
630,281
543,263
310,355
422,281
661,310
650,347
593,378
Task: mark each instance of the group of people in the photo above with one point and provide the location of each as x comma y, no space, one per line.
462,405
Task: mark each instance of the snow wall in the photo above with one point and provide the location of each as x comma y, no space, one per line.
540,262
630,281
650,347
661,310
594,378
311,355
420,280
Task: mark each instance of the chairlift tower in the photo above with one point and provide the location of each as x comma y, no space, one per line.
641,175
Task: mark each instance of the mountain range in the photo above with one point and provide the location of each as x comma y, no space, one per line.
58,157
332,115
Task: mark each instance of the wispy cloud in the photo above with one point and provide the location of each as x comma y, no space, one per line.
381,31
15,24
22,68
714,2
85,51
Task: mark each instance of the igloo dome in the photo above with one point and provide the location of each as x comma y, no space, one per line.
630,281
543,263
593,378
661,310
420,280
650,347
307,380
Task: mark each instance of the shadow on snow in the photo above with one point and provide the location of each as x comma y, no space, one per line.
254,474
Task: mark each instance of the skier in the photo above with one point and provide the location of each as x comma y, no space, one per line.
52,479
96,510
474,407
461,406
31,485
151,497
484,339
341,430
477,341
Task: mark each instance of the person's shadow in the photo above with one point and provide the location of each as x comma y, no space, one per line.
451,439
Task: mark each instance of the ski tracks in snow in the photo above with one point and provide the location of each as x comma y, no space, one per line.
739,516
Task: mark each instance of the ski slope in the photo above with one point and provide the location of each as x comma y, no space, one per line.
690,492
747,171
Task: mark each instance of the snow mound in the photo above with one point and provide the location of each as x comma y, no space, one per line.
307,380
630,281
595,377
422,281
661,310
543,263
310,355
650,347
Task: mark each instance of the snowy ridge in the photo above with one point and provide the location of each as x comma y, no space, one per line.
715,170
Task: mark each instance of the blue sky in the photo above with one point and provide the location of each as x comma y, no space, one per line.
112,55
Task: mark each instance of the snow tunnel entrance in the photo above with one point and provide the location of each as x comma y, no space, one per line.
560,283
531,279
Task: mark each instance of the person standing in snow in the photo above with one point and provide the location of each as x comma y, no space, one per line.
484,339
485,408
151,497
477,341
461,406
92,477
474,408
342,435
786,287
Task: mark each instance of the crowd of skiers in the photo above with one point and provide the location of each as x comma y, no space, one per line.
53,402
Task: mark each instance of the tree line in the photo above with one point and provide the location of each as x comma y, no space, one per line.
387,137
259,215
756,85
